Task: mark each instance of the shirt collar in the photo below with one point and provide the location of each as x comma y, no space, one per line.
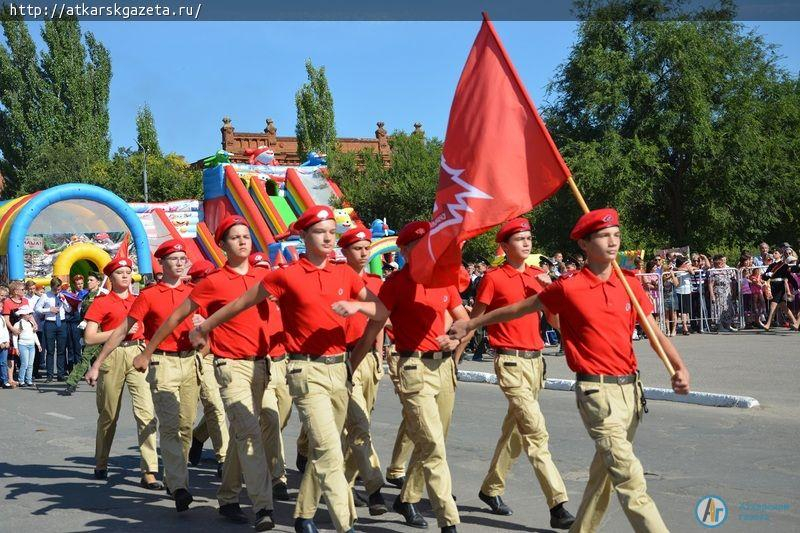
232,274
593,281
308,266
163,287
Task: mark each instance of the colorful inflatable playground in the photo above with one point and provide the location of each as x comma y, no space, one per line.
77,228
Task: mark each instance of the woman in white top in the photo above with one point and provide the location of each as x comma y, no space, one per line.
684,271
26,343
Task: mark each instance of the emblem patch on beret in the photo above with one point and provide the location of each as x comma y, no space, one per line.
322,214
607,218
123,263
361,235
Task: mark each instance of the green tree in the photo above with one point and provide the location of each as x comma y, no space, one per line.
146,135
316,126
169,177
402,192
53,105
682,121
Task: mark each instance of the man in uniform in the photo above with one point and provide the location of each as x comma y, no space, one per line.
213,424
360,457
520,369
427,373
239,349
597,320
173,370
308,293
115,370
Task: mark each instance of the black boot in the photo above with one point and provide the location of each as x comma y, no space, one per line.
233,512
300,463
496,503
560,518
195,452
280,492
305,525
100,473
182,500
396,481
264,520
410,513
449,529
376,504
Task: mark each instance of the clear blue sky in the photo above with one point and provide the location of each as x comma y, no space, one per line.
193,74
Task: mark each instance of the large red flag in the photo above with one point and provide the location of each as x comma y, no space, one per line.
498,160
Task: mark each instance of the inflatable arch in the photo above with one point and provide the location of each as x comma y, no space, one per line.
377,249
73,191
76,252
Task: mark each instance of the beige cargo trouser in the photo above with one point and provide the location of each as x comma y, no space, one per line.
611,414
320,393
241,386
175,385
213,423
427,392
524,428
116,372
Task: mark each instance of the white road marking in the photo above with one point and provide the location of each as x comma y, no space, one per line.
59,415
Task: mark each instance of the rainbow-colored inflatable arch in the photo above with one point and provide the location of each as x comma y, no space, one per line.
16,217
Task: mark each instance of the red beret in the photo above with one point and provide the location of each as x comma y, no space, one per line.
169,247
311,216
226,224
259,259
201,269
515,225
117,263
354,235
594,221
412,231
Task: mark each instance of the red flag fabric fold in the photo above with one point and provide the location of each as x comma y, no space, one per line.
498,161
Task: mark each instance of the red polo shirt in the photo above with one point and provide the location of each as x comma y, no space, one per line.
109,310
274,331
243,335
305,294
417,313
153,307
357,323
504,286
597,321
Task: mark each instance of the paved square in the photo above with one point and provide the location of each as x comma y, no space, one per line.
749,458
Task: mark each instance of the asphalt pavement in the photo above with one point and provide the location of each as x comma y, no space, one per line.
747,457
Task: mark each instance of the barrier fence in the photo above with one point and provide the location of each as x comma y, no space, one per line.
710,300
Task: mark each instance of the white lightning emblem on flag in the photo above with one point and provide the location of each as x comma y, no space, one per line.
454,211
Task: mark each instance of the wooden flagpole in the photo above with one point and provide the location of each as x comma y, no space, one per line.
643,318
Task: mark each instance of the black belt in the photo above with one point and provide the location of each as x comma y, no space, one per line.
326,359
525,354
248,358
185,353
278,359
605,378
426,355
125,344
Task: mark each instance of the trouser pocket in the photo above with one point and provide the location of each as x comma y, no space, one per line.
411,375
297,379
